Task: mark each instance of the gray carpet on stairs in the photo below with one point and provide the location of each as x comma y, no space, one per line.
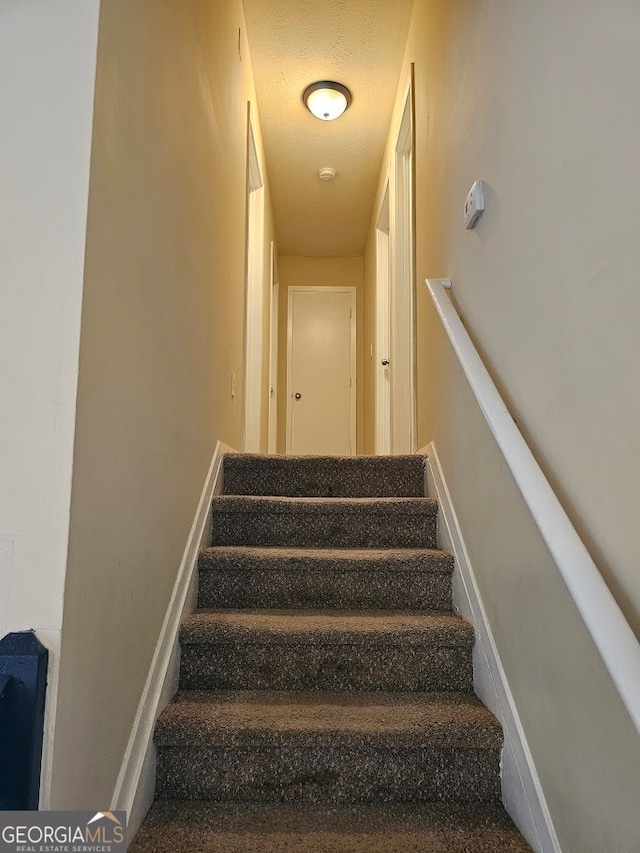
311,650
324,522
281,578
326,685
325,476
208,827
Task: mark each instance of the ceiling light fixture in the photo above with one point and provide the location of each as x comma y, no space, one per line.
326,100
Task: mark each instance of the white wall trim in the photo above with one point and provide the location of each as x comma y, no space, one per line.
254,296
135,785
274,322
383,325
603,618
402,307
522,792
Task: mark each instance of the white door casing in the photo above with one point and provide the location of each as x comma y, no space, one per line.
273,352
383,337
321,369
403,402
254,299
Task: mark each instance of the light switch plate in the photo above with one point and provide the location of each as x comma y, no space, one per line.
474,205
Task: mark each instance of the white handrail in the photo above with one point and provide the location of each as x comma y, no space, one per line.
603,618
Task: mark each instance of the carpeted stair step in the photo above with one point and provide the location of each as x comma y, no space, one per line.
328,748
324,476
403,579
325,650
196,827
324,522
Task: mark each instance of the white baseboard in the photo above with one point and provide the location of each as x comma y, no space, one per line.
52,640
135,785
522,793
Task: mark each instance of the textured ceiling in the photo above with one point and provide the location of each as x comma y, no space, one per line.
294,43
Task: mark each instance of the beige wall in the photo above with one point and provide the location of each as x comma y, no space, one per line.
319,272
162,329
548,281
47,74
535,100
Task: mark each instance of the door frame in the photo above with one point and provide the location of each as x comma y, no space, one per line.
353,358
383,326
274,307
403,335
254,297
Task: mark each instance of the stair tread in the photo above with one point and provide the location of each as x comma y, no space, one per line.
326,626
354,559
314,458
196,827
418,720
324,476
275,503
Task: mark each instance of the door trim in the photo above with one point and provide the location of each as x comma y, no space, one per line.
254,297
354,362
273,351
403,335
382,441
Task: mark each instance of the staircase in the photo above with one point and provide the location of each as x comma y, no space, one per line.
326,697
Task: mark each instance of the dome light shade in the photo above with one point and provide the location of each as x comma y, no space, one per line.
326,100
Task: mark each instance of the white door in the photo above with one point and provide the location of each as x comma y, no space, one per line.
321,405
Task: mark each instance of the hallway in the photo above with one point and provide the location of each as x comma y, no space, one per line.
322,185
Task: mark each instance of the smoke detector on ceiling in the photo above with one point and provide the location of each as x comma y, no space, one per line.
327,174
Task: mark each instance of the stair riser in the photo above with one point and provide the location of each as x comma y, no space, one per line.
318,667
349,529
349,590
297,775
178,826
307,477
